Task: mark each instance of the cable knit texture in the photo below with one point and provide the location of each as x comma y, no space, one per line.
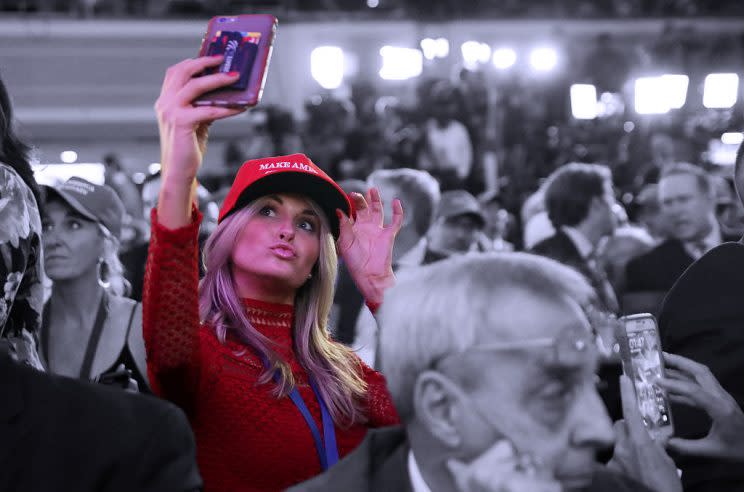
247,440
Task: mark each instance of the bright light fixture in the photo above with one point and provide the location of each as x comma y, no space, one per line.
543,59
443,47
732,138
327,66
504,58
474,53
435,48
651,96
153,168
68,156
584,101
660,94
400,63
676,89
373,3
721,90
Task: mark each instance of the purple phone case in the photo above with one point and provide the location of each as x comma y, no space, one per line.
252,63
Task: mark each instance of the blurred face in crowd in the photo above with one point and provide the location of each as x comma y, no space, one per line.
150,192
685,206
542,397
497,219
72,243
278,246
455,234
603,215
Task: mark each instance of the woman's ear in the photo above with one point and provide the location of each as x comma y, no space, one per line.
438,407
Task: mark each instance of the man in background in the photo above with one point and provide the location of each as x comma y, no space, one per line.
688,203
579,199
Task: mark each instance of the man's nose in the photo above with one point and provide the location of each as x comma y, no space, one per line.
593,428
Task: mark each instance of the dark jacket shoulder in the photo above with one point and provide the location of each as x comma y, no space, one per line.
378,463
90,437
659,268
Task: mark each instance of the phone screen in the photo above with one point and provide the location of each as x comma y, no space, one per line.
646,362
239,49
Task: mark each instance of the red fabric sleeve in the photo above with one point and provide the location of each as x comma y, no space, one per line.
170,310
381,411
372,306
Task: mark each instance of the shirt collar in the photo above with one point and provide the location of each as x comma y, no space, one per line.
583,245
417,480
713,238
709,242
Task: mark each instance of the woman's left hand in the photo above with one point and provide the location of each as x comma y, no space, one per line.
366,244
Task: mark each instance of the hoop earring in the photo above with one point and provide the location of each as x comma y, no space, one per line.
103,273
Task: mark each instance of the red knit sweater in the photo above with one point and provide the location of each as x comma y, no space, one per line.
247,439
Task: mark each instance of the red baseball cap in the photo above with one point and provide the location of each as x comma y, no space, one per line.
293,173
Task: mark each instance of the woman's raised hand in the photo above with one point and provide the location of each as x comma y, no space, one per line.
366,244
183,132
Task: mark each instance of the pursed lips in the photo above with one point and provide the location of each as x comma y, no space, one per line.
284,251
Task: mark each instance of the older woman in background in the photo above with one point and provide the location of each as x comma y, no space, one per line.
90,331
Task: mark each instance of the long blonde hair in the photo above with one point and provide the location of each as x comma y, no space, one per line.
334,367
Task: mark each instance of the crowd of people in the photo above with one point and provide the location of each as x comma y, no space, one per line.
345,322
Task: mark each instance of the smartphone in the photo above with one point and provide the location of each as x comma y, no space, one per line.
643,363
246,42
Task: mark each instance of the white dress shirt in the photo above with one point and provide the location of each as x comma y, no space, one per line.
417,480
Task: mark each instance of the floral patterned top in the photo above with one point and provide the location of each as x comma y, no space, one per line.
21,268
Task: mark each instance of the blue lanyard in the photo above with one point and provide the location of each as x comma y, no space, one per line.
325,447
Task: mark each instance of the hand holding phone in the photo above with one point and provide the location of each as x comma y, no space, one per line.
502,469
636,454
692,383
183,132
643,364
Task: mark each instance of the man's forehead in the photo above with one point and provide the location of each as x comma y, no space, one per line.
519,314
677,183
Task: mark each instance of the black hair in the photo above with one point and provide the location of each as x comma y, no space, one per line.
570,190
14,152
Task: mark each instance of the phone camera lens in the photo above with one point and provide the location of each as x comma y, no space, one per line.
222,19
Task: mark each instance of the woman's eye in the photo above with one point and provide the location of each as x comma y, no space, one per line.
46,227
75,225
266,211
307,225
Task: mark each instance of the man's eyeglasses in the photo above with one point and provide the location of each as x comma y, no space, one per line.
569,348
564,350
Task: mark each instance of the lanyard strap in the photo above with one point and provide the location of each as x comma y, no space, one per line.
325,447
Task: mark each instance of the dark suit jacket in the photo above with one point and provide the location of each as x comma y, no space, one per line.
380,464
561,248
658,269
703,318
60,434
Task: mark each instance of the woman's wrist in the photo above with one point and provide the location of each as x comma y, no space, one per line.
373,288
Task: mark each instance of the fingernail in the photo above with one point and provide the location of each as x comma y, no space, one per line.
233,74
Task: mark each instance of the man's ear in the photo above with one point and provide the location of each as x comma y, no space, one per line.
437,407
